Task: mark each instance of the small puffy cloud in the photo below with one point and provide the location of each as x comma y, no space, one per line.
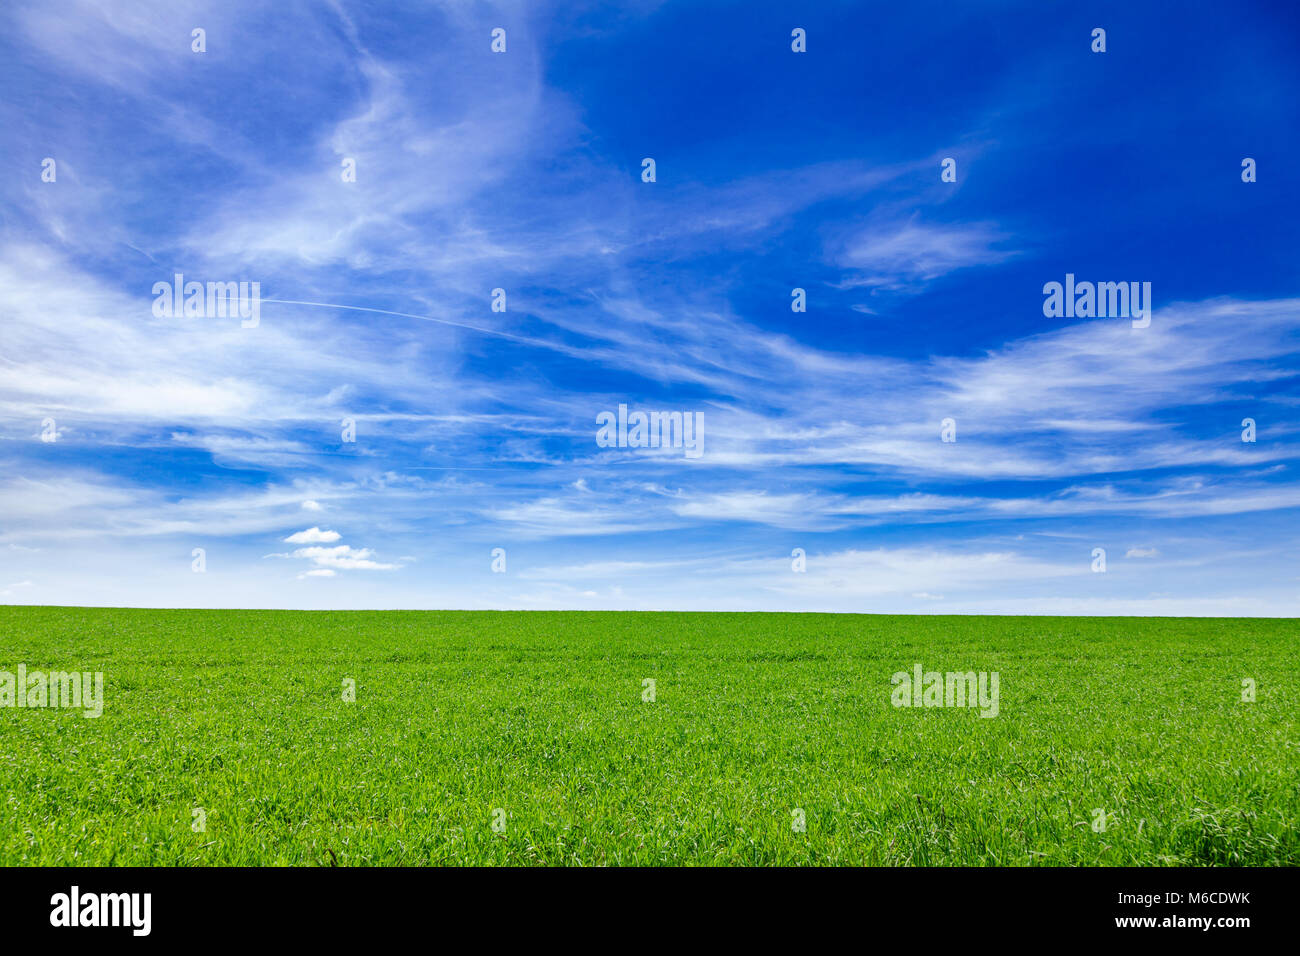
313,536
1141,553
317,573
311,506
343,556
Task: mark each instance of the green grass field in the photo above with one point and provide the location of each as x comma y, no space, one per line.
540,715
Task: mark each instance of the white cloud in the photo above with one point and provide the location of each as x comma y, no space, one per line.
1142,553
344,557
313,536
897,571
553,517
913,251
801,437
783,511
604,569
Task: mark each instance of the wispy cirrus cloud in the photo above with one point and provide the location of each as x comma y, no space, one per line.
474,428
896,254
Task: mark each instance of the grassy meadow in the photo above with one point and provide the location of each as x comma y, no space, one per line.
524,738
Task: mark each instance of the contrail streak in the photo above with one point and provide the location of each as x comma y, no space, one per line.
429,318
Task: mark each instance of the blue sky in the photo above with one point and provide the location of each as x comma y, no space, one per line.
775,170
